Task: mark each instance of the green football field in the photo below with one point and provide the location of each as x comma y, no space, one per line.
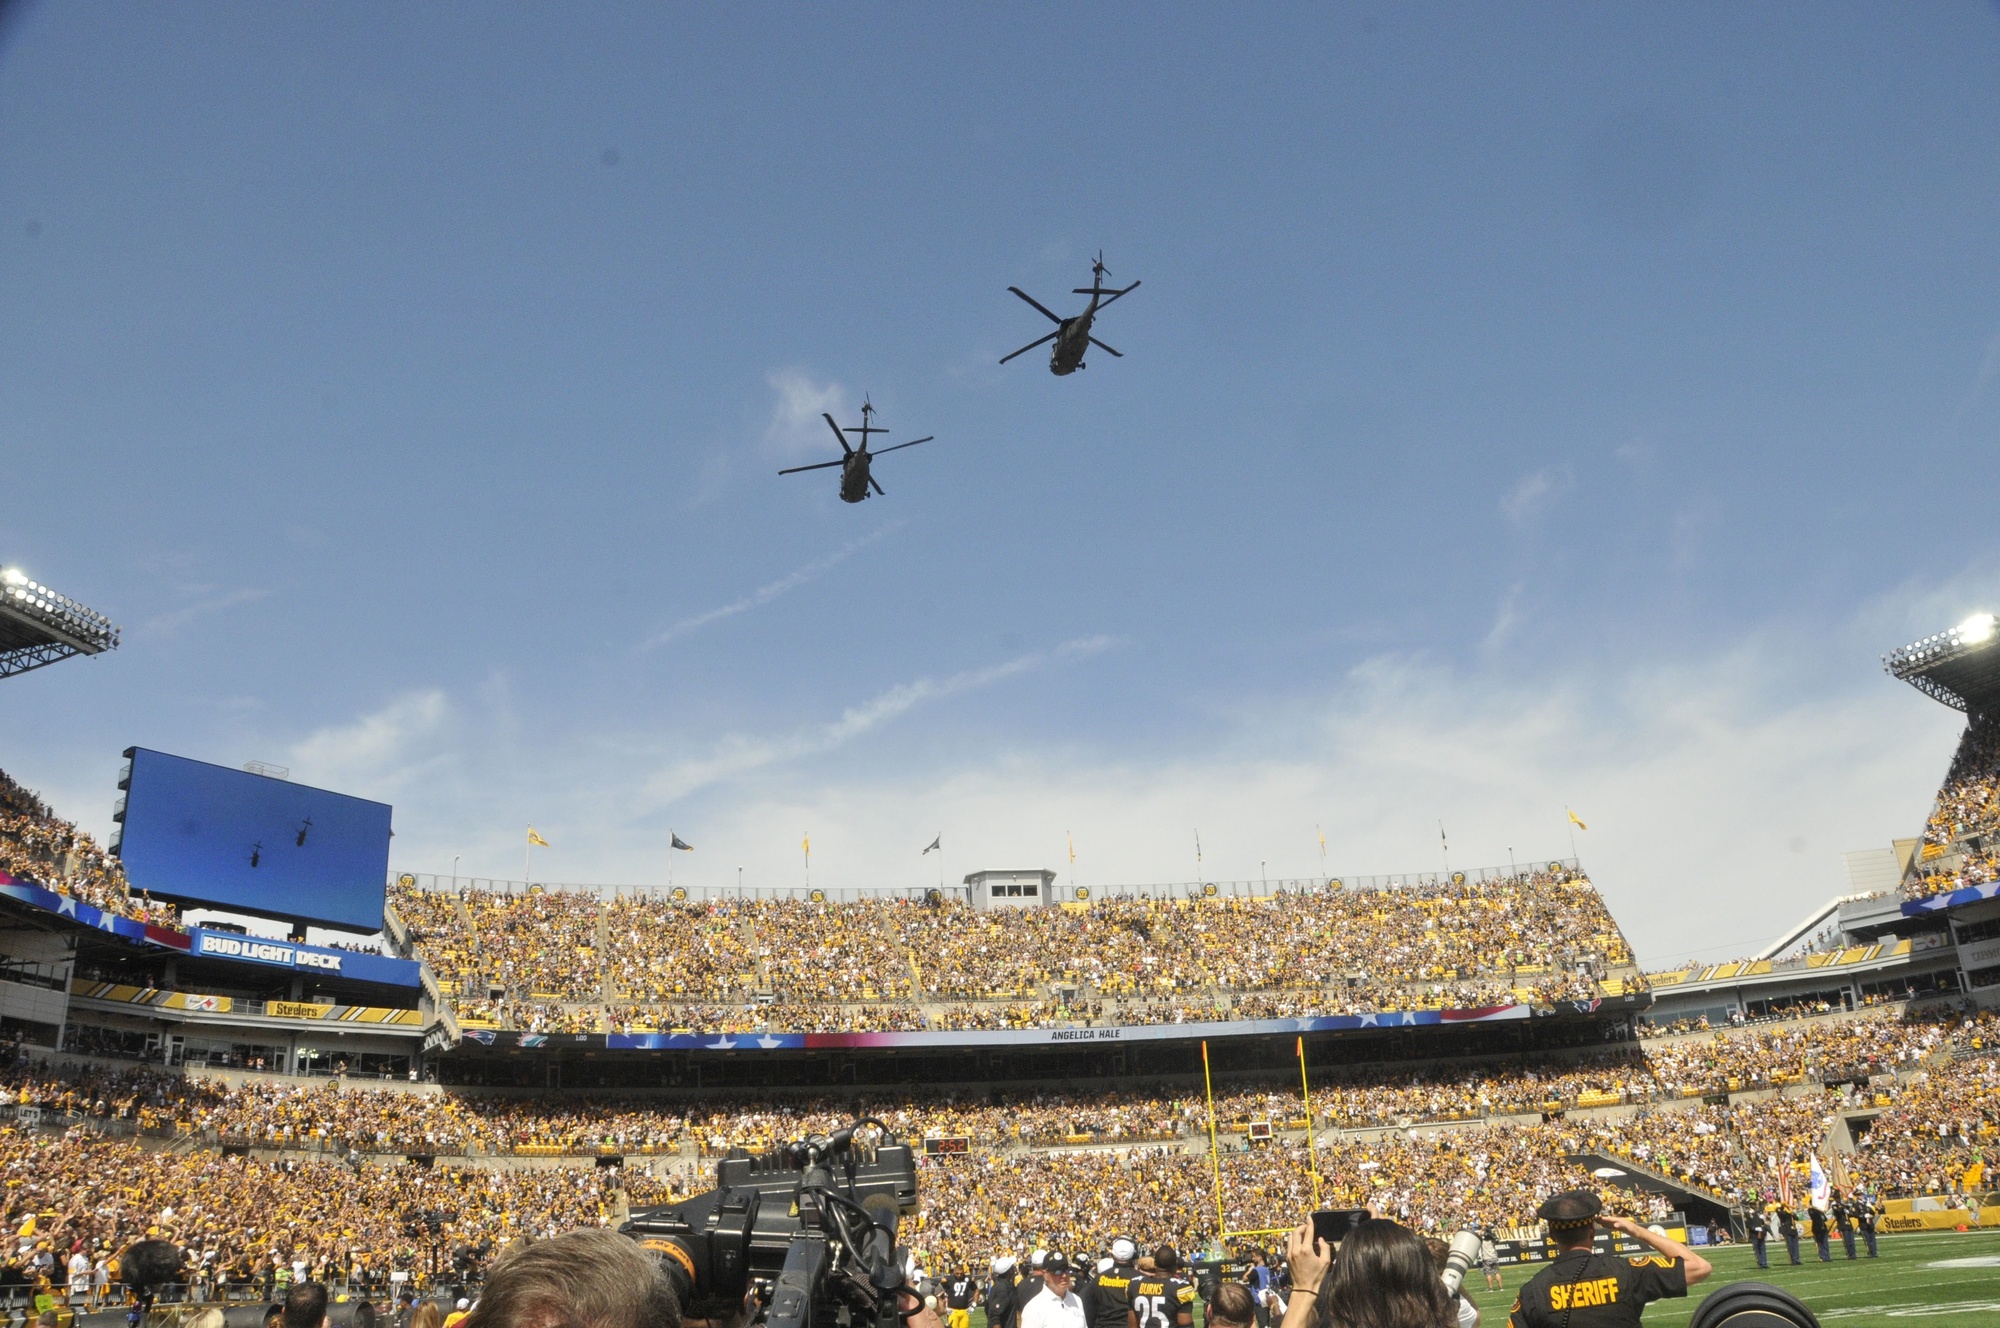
1940,1277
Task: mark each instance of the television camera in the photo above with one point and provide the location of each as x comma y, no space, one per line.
804,1236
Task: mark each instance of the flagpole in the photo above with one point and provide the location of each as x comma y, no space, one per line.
527,847
1312,1149
1214,1157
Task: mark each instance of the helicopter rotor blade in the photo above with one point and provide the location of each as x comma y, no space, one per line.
1101,346
844,448
900,446
821,466
876,485
1031,345
1037,303
1111,296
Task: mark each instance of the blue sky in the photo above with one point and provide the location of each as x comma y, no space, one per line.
1564,405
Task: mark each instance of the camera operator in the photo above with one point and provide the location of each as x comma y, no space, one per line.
1383,1278
1057,1306
1583,1289
305,1306
1464,1313
598,1279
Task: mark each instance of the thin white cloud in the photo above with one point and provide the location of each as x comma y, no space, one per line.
1696,768
1533,494
739,755
379,752
765,593
166,624
795,430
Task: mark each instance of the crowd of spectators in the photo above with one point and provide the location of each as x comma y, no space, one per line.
241,1221
40,847
1964,817
1377,1142
336,1116
640,962
1935,1129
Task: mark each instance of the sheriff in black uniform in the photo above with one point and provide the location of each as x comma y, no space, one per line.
1583,1289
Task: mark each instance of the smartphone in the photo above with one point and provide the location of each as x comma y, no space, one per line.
1333,1226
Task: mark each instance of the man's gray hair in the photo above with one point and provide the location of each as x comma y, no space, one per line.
585,1279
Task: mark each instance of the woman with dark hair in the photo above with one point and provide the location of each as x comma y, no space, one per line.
1384,1278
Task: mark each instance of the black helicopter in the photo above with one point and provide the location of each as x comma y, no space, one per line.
1072,335
855,481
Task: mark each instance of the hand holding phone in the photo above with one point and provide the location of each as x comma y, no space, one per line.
1334,1225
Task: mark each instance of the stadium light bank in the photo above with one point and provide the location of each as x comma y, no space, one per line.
39,626
1959,666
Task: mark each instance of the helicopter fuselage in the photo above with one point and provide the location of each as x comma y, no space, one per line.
854,477
1072,340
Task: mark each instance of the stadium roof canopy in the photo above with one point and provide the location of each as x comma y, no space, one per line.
1960,667
38,626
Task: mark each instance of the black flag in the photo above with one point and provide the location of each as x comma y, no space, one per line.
680,844
937,846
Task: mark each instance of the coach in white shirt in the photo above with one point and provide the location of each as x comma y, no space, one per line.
1058,1306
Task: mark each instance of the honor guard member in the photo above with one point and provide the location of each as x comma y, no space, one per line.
1583,1289
1788,1227
1161,1298
1104,1304
1864,1216
1843,1222
1817,1216
1759,1231
959,1290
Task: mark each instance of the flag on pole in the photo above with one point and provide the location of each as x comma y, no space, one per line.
536,839
1072,847
1197,846
807,844
1785,1183
935,846
1818,1184
680,843
1576,820
1322,841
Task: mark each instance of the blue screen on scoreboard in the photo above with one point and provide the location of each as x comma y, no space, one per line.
206,834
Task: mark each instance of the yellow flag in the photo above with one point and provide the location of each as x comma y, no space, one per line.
1072,848
808,844
536,839
1576,820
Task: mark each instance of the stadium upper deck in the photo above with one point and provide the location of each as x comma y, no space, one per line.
577,961
644,971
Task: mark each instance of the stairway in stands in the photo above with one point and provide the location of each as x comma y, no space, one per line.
1689,1197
